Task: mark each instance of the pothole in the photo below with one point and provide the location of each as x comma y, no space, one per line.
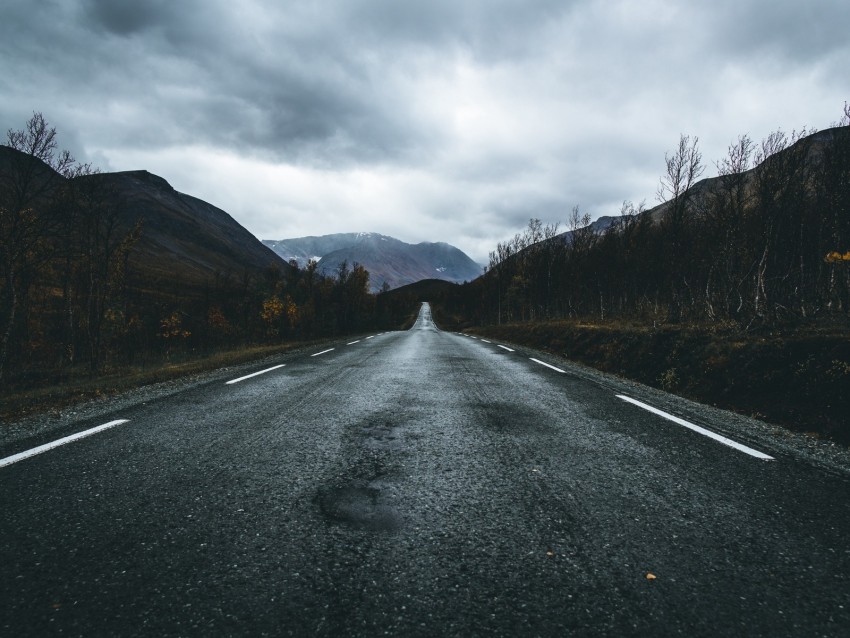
359,505
381,437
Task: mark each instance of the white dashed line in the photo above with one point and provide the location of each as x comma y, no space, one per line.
696,428
63,441
543,363
506,348
322,352
248,376
485,341
353,342
372,337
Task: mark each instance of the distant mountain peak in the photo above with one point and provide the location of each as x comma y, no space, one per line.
388,260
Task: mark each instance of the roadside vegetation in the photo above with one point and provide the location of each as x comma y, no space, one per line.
734,290
797,380
76,313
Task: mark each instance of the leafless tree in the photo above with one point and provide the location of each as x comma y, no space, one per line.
32,176
683,169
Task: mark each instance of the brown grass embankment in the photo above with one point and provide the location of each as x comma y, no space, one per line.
44,394
81,386
800,380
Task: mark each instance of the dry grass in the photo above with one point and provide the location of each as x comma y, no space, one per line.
796,378
82,387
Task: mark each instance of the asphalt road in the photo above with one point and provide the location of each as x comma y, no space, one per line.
419,483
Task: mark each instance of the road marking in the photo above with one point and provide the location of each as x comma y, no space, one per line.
543,363
372,337
505,348
248,376
485,341
322,352
712,435
20,456
353,342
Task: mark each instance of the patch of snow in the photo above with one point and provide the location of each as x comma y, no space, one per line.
315,258
441,269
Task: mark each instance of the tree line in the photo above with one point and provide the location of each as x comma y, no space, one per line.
766,242
72,302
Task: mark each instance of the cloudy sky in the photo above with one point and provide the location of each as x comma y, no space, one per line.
437,120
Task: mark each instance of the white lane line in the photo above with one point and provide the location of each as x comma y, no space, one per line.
712,435
505,348
353,342
20,456
322,352
485,341
372,337
248,376
543,363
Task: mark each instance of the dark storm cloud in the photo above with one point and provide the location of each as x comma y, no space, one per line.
284,83
325,83
124,17
793,32
494,30
468,116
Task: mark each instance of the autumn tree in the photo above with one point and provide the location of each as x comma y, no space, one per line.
96,256
832,201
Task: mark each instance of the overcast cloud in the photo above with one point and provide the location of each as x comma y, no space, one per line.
447,120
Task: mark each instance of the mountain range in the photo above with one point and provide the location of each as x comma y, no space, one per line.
389,261
187,243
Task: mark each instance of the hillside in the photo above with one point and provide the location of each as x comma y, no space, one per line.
105,269
737,294
806,154
388,260
182,236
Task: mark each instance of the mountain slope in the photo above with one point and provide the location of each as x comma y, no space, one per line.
809,152
182,236
387,259
183,239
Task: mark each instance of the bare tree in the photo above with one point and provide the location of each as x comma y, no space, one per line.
32,176
724,216
683,169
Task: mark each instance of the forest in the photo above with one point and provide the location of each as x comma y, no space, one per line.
75,303
764,244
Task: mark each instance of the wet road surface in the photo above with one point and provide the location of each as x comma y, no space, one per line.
419,483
